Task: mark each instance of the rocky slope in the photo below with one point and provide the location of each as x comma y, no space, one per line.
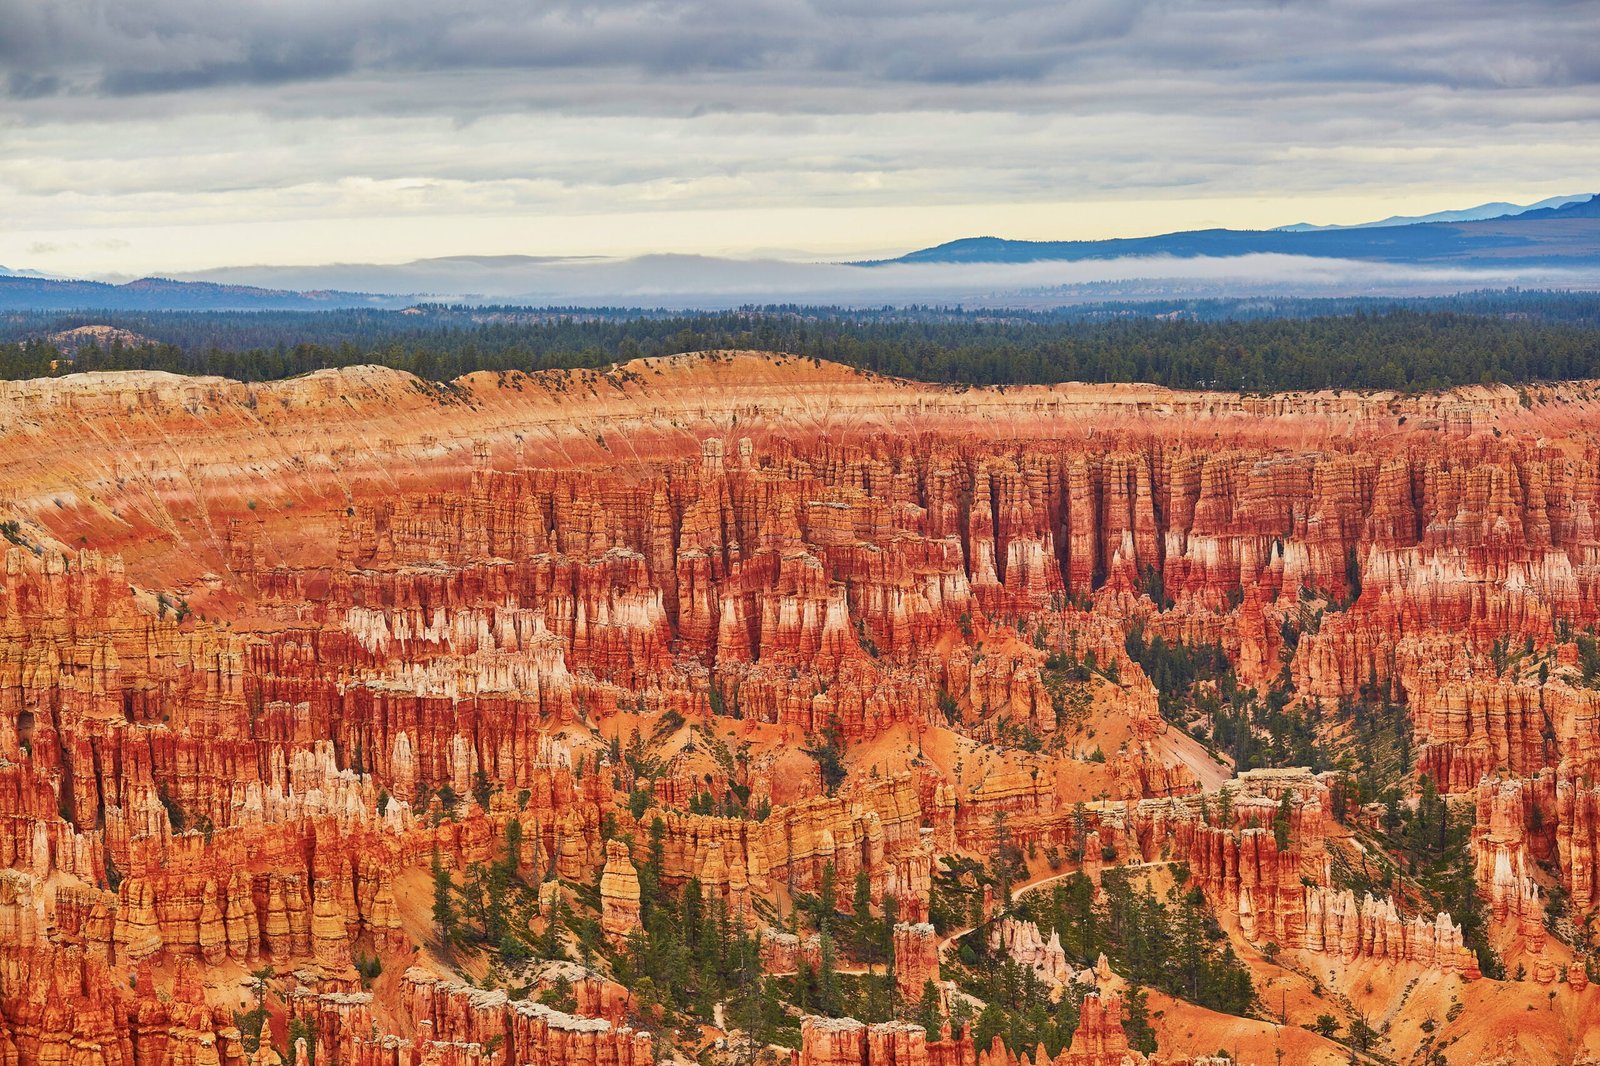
270,652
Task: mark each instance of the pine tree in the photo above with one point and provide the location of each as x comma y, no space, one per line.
758,1011
1074,900
1080,829
496,912
1141,1036
693,914
1002,859
927,1013
513,857
1284,820
991,1023
1225,807
828,894
444,909
805,987
863,928
1188,946
550,940
891,918
650,869
252,1023
828,978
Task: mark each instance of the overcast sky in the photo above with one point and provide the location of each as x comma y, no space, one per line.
143,136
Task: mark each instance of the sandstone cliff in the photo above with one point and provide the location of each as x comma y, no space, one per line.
265,650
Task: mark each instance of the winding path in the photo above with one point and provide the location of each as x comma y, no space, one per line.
944,945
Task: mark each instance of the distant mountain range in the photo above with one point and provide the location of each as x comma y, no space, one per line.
31,291
1498,209
1552,244
1550,236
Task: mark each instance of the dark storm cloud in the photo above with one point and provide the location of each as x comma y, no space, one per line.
885,52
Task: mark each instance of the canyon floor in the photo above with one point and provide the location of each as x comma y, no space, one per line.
682,710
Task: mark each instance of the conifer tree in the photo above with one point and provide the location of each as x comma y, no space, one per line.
927,1013
828,978
863,928
1284,820
444,909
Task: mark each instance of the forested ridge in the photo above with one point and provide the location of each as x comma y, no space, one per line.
1237,345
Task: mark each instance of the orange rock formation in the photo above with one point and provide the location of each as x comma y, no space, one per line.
267,649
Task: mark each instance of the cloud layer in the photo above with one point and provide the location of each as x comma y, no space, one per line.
703,281
593,53
123,118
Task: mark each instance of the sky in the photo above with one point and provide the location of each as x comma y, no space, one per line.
163,136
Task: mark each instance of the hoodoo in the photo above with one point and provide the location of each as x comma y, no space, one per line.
739,705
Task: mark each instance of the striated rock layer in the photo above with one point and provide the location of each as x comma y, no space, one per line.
268,652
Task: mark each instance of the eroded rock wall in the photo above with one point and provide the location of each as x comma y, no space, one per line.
267,650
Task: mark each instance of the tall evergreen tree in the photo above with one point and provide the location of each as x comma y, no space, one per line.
863,927
444,909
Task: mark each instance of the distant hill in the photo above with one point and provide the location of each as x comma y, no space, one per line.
70,340
1589,208
1555,236
19,292
1554,247
1498,209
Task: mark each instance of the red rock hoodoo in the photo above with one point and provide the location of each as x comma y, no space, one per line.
282,664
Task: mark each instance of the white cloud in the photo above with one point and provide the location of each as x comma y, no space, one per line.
755,122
